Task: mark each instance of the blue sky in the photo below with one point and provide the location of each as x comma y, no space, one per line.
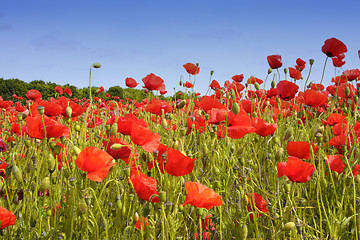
57,41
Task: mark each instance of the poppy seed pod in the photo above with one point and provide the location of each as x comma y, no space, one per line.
96,65
41,110
311,61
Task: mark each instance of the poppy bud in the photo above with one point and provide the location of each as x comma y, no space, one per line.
200,211
135,217
320,129
19,117
288,134
51,163
164,123
285,70
57,150
76,150
45,184
289,226
273,84
68,111
269,70
319,138
146,209
257,86
28,143
243,232
311,61
254,115
114,129
279,153
211,72
287,188
96,65
355,98
347,91
17,173
82,206
181,104
107,127
77,128
235,108
25,114
41,110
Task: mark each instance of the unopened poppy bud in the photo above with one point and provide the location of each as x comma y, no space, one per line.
320,129
235,108
45,184
28,143
273,84
82,206
285,70
289,226
211,72
68,111
164,123
355,98
41,110
77,128
269,70
347,91
311,61
200,211
279,154
319,137
243,232
51,163
96,65
180,83
146,209
76,150
19,117
135,217
25,114
114,129
288,134
162,196
17,173
287,188
181,104
57,150
257,86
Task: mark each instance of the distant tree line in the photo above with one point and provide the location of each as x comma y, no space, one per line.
8,87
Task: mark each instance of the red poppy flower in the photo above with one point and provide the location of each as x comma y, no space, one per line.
274,61
314,98
334,118
177,164
286,90
296,170
352,74
100,90
7,218
191,68
256,204
333,47
294,73
142,223
124,153
299,149
300,64
144,186
95,162
153,82
341,92
263,128
188,84
14,96
238,78
336,163
33,94
3,146
208,103
214,85
52,109
5,104
144,137
201,196
239,126
35,129
338,60
68,91
130,82
317,86
59,90
158,107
